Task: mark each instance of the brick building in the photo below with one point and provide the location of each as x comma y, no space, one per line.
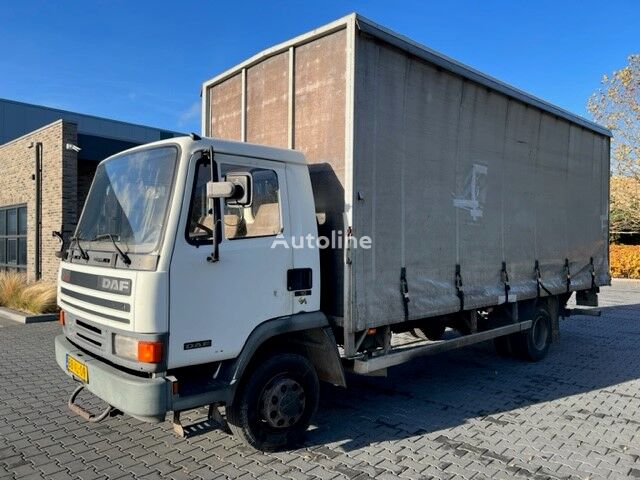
47,160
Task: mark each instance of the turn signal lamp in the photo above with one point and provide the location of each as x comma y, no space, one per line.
150,352
137,350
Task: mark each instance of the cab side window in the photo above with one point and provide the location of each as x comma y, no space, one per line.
262,217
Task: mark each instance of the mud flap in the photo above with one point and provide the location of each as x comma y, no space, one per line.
587,298
554,311
322,352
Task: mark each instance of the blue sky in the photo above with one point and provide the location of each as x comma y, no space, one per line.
144,61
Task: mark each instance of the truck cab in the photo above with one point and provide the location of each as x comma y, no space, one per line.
181,277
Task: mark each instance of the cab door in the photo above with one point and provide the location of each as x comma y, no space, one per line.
215,305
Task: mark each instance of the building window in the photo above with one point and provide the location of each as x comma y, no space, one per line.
13,238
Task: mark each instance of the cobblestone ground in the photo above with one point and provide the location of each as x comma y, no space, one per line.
467,414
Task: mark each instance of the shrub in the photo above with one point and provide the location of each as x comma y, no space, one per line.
39,297
625,261
34,297
11,285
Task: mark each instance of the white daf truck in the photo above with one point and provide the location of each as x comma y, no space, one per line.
433,208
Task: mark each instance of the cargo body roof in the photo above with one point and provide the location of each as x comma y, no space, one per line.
414,48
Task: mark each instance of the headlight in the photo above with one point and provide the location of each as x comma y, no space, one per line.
137,350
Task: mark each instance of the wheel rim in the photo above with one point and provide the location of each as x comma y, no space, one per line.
540,333
282,403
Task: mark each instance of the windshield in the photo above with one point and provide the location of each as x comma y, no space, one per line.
128,199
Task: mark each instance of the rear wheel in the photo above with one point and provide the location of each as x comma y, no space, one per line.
533,344
273,408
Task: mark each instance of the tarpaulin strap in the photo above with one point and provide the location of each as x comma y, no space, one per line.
539,280
459,291
404,290
505,279
568,273
592,269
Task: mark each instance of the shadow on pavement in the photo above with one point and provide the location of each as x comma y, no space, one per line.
437,392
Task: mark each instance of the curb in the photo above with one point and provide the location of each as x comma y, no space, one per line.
25,318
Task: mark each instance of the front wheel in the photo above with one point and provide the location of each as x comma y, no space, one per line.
273,408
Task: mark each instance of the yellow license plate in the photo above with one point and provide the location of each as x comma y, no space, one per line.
78,368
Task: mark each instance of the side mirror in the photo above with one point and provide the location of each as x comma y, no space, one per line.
236,189
220,189
242,192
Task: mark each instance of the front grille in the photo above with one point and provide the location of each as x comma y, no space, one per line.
103,283
103,302
86,334
96,297
86,326
66,303
90,340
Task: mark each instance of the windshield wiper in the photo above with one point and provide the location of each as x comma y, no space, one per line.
76,239
123,255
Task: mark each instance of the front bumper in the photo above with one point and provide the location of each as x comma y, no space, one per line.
148,399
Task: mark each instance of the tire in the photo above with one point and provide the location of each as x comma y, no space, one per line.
431,331
273,407
533,344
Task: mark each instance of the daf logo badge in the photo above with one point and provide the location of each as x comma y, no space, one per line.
115,285
198,344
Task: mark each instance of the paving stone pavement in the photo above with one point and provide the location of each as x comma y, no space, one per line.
463,414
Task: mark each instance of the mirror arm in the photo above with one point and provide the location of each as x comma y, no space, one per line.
58,234
215,255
